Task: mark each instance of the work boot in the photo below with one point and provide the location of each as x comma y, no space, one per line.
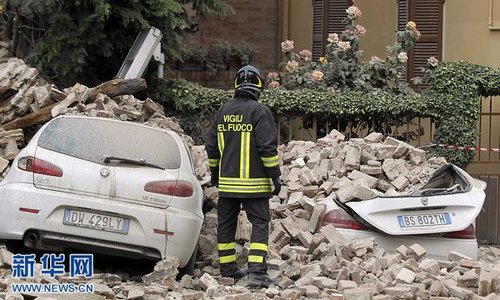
260,280
237,275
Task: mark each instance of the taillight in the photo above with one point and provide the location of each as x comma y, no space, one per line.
341,219
38,166
171,188
468,233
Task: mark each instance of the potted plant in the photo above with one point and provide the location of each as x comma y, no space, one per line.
241,55
218,56
193,58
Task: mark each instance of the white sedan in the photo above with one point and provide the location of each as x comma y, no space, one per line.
105,186
440,216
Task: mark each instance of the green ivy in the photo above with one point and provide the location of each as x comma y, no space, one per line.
452,102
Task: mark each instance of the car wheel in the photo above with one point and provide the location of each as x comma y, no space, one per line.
188,269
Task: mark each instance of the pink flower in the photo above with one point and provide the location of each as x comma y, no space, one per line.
316,76
360,29
333,38
432,61
287,46
375,59
344,46
353,12
306,54
403,57
273,76
291,66
274,84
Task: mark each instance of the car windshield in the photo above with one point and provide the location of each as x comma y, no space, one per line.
95,139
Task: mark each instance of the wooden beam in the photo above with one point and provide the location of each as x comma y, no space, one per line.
38,117
117,87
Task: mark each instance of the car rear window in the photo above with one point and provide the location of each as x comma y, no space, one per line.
94,139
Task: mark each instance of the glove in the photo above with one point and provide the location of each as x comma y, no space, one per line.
214,176
277,186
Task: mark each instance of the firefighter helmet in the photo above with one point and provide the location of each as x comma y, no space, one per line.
248,78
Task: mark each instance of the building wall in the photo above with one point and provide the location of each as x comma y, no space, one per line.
301,24
255,22
466,32
380,20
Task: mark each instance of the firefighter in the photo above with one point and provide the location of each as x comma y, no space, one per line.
244,164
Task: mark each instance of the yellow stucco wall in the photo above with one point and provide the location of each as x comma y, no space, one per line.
380,20
466,33
301,26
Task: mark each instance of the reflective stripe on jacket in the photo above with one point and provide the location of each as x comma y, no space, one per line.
242,147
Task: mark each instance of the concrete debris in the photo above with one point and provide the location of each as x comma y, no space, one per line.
339,273
27,100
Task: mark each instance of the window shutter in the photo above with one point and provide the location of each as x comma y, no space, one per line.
402,14
428,14
328,17
336,15
318,28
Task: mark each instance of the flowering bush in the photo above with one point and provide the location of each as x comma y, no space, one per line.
342,67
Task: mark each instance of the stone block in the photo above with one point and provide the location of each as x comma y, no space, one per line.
457,256
370,170
416,251
331,234
11,150
310,191
460,292
400,183
327,186
399,292
305,237
468,279
323,282
374,137
357,175
346,284
207,281
317,217
358,294
4,164
352,159
295,197
484,283
430,266
405,276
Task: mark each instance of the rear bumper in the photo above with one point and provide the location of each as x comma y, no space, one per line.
436,247
54,241
139,241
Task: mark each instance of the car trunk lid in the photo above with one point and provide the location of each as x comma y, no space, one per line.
450,201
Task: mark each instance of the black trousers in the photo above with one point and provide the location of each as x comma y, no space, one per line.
258,214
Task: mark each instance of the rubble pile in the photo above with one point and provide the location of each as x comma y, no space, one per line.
359,168
28,100
341,270
311,259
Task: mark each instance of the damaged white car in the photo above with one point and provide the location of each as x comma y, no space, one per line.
102,185
440,216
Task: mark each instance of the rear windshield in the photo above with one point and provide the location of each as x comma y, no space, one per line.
94,139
